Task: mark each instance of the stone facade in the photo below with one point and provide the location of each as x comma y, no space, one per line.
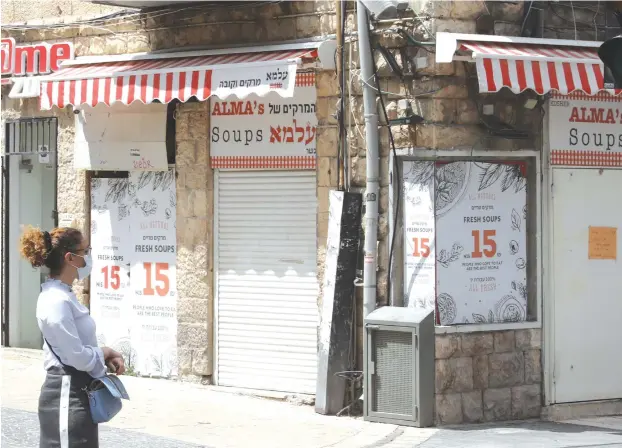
487,376
189,27
19,11
480,376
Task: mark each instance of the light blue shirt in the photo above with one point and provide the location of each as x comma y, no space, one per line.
68,327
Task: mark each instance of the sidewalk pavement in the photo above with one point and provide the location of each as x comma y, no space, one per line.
205,415
170,414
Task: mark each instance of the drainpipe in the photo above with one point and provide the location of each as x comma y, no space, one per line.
372,159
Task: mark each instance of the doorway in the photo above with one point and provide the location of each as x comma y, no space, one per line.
266,280
587,280
30,170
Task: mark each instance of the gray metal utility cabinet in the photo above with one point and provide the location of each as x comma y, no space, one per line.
399,366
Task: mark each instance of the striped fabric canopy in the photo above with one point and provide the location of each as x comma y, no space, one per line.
542,68
167,78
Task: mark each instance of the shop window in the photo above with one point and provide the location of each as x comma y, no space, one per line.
469,239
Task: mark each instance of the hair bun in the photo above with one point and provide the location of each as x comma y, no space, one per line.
33,246
48,241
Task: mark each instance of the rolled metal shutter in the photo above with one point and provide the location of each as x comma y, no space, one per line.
267,286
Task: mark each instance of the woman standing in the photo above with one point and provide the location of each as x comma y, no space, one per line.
71,356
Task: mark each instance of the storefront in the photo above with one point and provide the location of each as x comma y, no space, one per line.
262,235
585,154
266,288
201,191
538,247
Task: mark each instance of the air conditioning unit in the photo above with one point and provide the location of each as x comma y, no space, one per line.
399,366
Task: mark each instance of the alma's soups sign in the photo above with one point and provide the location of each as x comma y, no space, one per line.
32,60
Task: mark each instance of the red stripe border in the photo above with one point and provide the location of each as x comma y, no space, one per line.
305,79
570,157
264,162
600,96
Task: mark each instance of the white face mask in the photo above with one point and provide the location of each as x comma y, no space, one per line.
85,271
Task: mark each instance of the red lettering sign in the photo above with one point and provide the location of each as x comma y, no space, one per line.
595,115
28,60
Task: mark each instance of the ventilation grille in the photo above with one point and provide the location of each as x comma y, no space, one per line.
392,383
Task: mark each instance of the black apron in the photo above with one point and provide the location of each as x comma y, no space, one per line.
64,412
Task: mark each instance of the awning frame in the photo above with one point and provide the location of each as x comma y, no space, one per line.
160,76
524,63
448,43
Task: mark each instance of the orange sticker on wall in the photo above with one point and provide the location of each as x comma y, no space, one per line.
603,243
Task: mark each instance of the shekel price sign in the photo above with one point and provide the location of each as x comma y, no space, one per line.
481,243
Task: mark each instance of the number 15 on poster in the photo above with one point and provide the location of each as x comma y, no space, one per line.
153,280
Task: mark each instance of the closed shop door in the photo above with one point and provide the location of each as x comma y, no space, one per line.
587,284
266,280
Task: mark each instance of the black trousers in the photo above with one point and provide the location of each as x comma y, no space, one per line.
64,413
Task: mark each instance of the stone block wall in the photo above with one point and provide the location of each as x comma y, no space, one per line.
195,212
16,11
488,376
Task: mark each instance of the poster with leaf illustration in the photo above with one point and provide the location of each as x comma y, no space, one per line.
110,241
153,272
481,242
419,234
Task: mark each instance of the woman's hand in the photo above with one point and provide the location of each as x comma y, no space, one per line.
116,364
114,360
110,353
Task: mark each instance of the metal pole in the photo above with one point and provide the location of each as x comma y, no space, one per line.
372,159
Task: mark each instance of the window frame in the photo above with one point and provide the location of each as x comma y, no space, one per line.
431,155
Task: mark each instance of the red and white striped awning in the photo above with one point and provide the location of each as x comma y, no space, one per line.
168,77
530,64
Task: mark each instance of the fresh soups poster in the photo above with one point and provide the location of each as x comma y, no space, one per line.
138,214
470,253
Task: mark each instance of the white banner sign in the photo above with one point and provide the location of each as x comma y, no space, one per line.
133,284
585,132
110,243
481,243
258,128
121,138
419,226
153,273
465,240
241,81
